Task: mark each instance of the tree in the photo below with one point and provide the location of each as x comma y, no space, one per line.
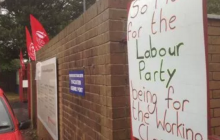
213,7
53,14
12,65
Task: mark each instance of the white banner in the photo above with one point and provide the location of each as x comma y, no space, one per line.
167,70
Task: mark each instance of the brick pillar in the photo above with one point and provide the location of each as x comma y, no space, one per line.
214,73
33,95
118,95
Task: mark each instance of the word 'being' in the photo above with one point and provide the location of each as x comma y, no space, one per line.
150,117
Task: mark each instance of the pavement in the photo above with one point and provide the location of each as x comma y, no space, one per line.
20,110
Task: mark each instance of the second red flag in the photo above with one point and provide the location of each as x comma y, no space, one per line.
40,37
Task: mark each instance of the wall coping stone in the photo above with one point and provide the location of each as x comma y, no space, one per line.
213,16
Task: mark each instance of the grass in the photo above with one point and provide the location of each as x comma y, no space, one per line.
12,96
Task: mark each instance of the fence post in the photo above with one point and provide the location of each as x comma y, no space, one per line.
21,85
28,90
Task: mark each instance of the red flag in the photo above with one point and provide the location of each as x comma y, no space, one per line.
40,37
22,61
30,45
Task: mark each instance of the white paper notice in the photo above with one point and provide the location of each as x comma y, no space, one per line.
25,83
38,71
47,108
167,70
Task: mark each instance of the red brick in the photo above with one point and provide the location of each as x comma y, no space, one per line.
214,40
214,66
116,91
102,5
213,131
118,58
105,15
217,130
117,36
116,25
216,112
121,101
216,76
119,80
103,100
92,12
106,122
116,69
215,23
120,123
213,31
215,58
108,80
102,28
106,132
119,113
103,49
117,14
215,103
103,89
120,134
120,4
116,47
216,94
212,113
210,76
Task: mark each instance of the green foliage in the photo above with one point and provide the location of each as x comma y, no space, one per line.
53,14
213,7
13,65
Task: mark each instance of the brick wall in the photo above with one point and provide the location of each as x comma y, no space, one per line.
214,71
33,94
92,43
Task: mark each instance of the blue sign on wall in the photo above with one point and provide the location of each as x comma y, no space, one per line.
77,82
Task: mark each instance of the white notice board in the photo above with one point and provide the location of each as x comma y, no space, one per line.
47,103
167,70
25,83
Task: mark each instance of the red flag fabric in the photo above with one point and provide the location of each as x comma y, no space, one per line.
22,61
40,37
30,45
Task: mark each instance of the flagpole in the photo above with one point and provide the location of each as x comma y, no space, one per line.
84,5
35,55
